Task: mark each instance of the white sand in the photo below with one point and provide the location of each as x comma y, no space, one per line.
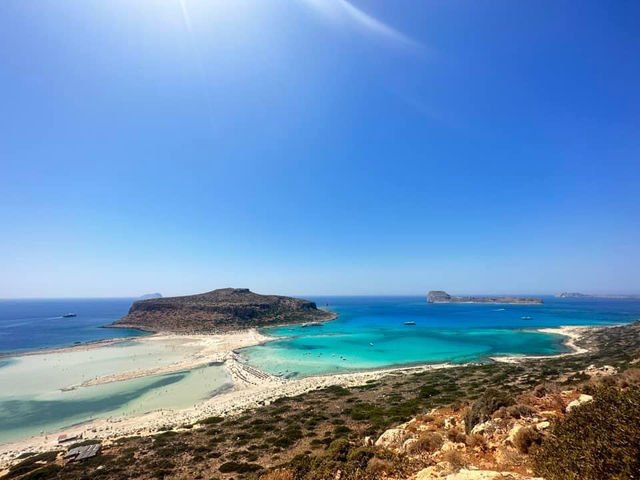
252,387
572,334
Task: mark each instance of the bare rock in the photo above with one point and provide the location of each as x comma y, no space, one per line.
392,438
581,400
482,427
513,432
603,371
542,426
429,473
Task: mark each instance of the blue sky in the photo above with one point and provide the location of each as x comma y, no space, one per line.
319,146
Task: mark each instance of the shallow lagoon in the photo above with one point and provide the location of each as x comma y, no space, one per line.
370,333
32,400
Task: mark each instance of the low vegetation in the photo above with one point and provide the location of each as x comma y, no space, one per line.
313,436
598,440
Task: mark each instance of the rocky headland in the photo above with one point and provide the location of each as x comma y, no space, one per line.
440,296
218,311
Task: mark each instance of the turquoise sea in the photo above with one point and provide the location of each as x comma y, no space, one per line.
370,332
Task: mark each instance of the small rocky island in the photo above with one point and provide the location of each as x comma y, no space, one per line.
595,295
219,310
440,296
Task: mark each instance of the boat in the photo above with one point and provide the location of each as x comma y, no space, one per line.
371,343
527,318
409,323
312,324
69,315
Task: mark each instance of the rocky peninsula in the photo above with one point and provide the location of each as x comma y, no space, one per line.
220,310
440,296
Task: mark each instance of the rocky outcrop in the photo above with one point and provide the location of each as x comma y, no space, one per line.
440,296
582,399
496,449
219,310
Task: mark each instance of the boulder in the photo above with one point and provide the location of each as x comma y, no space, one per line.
406,446
542,426
481,427
581,400
429,473
392,438
513,432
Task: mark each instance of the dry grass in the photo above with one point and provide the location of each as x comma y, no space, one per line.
279,474
427,443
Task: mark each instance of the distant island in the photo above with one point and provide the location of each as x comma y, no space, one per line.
595,295
219,310
440,296
149,296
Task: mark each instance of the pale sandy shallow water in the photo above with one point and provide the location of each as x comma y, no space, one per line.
32,400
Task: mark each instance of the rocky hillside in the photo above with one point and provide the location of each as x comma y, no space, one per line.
440,296
219,310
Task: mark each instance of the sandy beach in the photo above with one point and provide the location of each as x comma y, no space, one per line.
251,387
571,333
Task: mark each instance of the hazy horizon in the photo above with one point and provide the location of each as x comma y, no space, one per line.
301,295
344,147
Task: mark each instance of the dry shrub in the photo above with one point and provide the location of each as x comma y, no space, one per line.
456,436
526,439
475,440
424,418
427,442
545,389
630,378
485,406
557,402
502,413
510,458
279,474
456,459
378,467
520,411
439,422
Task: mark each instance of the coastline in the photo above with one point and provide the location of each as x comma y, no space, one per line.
252,387
571,335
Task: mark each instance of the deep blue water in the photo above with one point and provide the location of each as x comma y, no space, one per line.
370,332
34,324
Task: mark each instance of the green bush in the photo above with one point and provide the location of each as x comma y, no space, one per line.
482,409
211,420
359,457
30,464
338,450
598,440
239,467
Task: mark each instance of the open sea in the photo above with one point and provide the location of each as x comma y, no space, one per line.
34,324
370,332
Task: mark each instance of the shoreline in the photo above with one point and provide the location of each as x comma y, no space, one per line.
252,387
571,335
